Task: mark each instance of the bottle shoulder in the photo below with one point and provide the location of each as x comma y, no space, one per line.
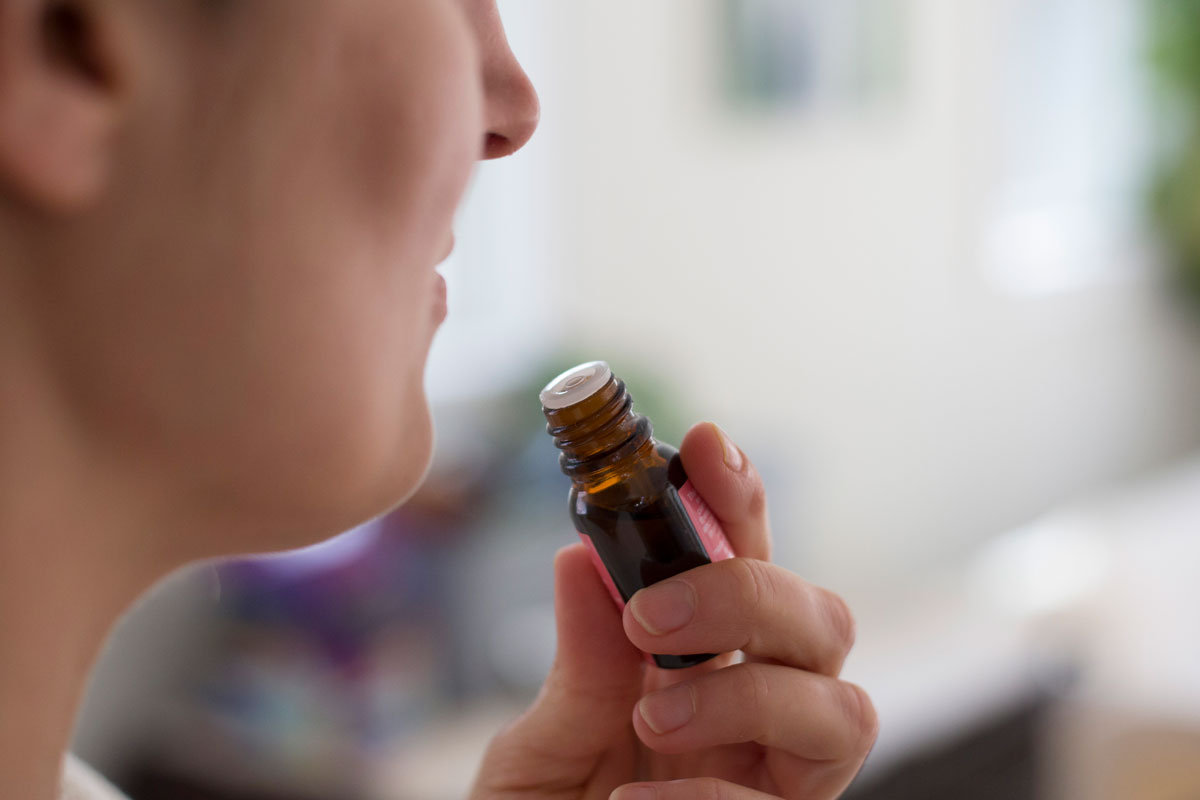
655,472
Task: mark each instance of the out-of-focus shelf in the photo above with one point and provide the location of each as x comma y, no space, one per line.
1107,587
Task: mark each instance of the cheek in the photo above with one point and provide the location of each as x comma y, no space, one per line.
409,121
329,414
366,198
268,313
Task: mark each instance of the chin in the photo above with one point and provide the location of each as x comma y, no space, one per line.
410,466
360,473
387,480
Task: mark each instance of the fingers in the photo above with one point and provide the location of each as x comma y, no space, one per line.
690,789
743,604
730,485
592,650
811,716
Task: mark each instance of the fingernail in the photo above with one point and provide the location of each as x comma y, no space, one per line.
634,793
664,607
670,709
729,451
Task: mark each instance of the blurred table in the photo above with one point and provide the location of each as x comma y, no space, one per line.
1096,605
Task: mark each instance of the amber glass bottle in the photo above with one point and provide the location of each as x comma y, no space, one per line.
630,498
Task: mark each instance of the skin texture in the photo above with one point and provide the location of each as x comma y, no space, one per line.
219,222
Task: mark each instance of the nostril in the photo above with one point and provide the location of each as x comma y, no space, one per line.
513,123
497,146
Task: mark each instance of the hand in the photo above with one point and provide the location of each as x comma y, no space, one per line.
777,725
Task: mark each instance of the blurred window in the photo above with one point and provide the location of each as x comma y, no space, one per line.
1067,132
823,55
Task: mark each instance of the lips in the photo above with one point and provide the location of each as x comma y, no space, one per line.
440,306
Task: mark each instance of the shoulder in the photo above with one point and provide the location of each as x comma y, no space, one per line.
81,782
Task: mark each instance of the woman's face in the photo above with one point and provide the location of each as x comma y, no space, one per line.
247,309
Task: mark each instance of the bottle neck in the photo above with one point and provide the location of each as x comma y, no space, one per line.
599,433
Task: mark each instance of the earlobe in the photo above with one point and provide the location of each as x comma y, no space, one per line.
59,103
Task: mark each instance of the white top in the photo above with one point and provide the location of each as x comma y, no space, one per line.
81,782
576,385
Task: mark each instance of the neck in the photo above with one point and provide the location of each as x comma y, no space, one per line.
66,572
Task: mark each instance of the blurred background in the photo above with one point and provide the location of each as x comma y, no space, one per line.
934,265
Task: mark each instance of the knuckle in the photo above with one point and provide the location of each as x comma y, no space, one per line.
752,696
710,789
749,579
860,715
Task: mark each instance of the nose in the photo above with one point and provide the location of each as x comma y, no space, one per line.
512,109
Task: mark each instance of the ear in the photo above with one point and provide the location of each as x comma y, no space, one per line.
59,100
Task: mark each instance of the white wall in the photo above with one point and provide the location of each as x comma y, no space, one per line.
814,285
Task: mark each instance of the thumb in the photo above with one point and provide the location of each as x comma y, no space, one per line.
596,678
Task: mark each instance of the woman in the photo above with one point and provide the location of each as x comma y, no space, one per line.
219,224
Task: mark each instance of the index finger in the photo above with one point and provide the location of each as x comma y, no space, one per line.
743,604
731,487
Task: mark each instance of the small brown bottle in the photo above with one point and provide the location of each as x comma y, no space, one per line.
630,498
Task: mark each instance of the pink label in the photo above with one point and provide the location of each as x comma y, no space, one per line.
705,522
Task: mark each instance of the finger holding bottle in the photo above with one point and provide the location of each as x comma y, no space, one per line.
744,604
731,486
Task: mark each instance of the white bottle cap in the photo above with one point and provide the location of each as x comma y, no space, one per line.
576,385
